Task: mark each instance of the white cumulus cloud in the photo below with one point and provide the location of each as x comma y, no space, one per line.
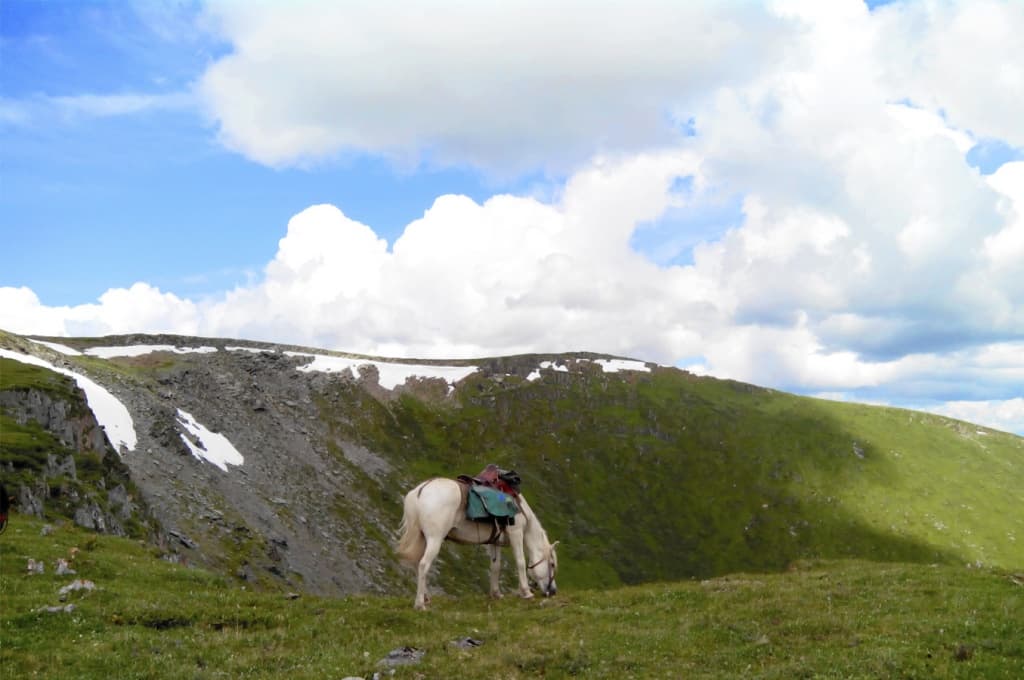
495,84
511,274
119,310
866,255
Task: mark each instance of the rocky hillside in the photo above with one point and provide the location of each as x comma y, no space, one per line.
55,459
285,466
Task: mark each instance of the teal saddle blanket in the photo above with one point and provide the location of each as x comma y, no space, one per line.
483,503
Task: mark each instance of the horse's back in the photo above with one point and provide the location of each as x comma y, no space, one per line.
437,490
438,503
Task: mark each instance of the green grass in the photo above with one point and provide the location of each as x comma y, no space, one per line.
821,619
15,375
23,447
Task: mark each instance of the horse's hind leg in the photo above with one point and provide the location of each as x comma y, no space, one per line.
433,547
494,552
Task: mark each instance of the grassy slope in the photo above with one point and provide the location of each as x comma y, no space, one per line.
151,619
672,476
943,481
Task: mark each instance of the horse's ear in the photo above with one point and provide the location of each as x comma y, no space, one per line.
555,543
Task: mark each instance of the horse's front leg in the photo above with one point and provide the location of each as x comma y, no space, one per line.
494,552
515,539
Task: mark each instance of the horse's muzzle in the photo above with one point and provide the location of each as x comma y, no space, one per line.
550,590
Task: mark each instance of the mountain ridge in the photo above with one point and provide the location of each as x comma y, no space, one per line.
646,474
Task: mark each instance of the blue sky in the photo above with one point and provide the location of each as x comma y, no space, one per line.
144,188
820,197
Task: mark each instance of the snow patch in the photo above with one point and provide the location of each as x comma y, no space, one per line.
616,365
139,350
390,375
535,374
212,446
110,413
63,349
607,365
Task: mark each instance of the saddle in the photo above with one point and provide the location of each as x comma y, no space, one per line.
492,497
506,481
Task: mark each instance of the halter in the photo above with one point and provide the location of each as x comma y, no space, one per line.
551,567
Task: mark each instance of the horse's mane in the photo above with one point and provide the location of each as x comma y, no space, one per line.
533,532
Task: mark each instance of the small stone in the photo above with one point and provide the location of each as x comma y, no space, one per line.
403,656
35,567
183,539
58,609
77,584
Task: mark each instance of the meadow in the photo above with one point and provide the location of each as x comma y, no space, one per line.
149,618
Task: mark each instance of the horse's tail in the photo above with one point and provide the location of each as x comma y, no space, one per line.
411,543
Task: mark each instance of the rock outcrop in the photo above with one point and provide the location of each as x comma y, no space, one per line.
59,462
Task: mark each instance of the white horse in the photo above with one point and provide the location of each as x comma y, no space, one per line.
436,510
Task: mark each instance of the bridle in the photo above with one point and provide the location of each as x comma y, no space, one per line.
552,567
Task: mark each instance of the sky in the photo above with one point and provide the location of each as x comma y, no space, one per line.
822,198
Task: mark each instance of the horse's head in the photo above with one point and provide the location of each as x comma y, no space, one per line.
543,570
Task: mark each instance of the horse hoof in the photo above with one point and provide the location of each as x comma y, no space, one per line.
420,606
496,595
526,596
